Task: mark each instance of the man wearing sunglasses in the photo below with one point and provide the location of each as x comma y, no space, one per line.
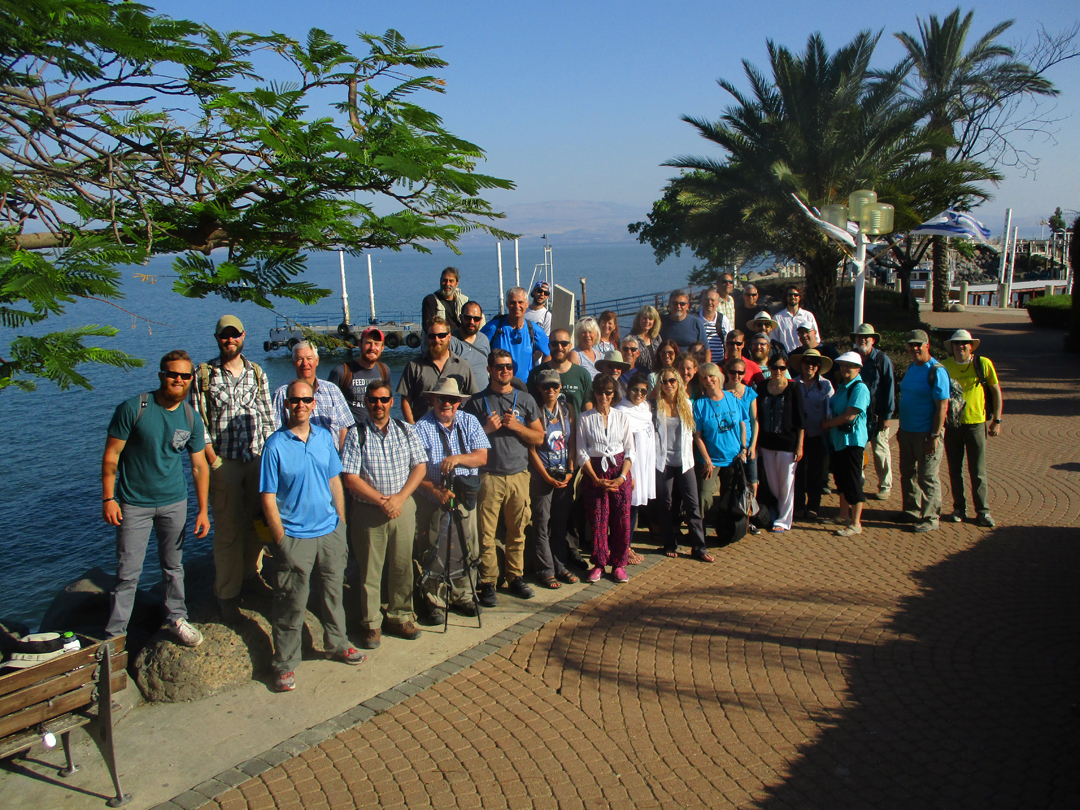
790,318
304,505
576,381
143,488
511,420
232,396
538,311
676,326
470,344
426,372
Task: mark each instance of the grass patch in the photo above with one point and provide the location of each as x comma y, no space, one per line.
1053,311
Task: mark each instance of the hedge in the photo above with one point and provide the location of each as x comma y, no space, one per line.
1054,311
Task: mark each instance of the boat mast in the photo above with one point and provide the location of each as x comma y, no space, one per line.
344,292
371,289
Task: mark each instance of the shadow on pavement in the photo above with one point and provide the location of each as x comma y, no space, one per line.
973,701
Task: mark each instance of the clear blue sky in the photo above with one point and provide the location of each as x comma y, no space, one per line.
581,100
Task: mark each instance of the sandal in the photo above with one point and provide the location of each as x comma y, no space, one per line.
568,578
633,558
552,583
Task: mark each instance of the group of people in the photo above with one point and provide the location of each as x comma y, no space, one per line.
566,440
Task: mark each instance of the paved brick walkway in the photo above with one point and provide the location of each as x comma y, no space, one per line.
801,670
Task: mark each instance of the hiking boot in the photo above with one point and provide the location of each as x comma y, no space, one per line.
350,655
406,630
371,639
986,521
257,587
487,595
923,528
520,588
435,616
467,609
956,516
230,611
285,682
188,635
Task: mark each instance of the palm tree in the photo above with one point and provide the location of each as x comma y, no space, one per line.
957,87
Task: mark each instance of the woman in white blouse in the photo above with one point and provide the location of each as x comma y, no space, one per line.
675,463
637,410
605,452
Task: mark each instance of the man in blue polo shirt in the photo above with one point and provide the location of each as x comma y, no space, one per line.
304,506
527,342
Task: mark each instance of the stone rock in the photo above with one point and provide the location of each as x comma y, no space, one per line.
957,308
83,605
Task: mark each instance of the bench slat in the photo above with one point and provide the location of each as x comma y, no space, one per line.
20,679
40,712
51,687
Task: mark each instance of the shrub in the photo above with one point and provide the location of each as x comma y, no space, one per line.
1054,311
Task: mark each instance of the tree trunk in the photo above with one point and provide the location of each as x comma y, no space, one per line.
940,275
821,288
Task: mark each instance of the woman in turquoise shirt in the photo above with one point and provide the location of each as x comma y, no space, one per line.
847,438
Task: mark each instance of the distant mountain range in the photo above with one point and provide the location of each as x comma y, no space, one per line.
571,221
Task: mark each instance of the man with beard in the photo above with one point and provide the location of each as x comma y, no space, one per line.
576,381
427,371
880,378
791,317
447,302
470,344
143,488
538,311
331,410
354,376
924,401
760,346
232,396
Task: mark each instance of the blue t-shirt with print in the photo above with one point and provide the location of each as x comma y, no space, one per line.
920,391
719,423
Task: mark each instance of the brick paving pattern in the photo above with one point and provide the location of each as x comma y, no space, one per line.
801,670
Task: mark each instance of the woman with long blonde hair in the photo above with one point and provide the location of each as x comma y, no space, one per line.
646,329
674,422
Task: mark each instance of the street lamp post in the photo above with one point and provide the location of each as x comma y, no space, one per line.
871,218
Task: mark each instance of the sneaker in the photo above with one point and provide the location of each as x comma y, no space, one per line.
881,494
923,528
520,588
285,682
753,529
230,611
350,655
848,531
620,575
188,634
371,639
595,574
487,596
986,521
956,516
406,630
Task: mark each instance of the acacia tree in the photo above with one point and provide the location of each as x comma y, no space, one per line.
822,126
125,134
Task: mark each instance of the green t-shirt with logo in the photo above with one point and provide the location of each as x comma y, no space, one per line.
151,470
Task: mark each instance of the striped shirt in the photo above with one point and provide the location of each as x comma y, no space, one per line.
236,410
428,430
331,410
716,330
386,460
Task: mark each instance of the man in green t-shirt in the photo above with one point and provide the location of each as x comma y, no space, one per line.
576,381
143,488
982,393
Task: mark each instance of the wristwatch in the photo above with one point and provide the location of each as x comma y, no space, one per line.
997,421
935,435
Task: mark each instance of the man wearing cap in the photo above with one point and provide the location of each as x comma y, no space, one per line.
354,375
760,350
790,317
576,381
304,506
447,302
924,398
716,323
232,396
676,326
143,488
808,339
457,446
383,464
470,344
511,420
982,393
331,410
527,343
880,378
424,373
538,312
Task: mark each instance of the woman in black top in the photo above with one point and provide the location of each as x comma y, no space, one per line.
781,419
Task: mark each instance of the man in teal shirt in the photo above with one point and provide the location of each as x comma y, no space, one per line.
143,487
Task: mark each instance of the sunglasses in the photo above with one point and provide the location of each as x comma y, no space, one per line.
503,366
551,386
639,390
779,368
735,372
229,336
472,317
669,381
437,335
560,343
605,393
178,375
681,304
448,400
298,400
632,350
381,400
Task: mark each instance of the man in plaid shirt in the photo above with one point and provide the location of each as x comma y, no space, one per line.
233,398
331,410
383,464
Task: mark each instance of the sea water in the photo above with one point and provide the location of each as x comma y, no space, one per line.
51,441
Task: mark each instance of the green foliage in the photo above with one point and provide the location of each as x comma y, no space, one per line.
54,357
1053,311
1057,221
128,134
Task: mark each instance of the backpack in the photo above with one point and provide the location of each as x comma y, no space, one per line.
361,431
353,366
954,413
204,372
189,412
500,322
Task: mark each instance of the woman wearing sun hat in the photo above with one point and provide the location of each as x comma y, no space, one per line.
812,474
847,438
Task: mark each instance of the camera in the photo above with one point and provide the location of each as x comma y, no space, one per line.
559,473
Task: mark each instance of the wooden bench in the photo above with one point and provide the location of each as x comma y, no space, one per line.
60,695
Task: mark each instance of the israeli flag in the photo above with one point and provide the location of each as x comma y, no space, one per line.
954,223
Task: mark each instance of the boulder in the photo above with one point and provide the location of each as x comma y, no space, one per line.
957,308
83,605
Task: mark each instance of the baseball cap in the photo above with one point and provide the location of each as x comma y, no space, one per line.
375,332
548,376
918,336
226,321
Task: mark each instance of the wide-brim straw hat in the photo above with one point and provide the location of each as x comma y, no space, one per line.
762,317
447,387
964,336
850,359
826,362
612,359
